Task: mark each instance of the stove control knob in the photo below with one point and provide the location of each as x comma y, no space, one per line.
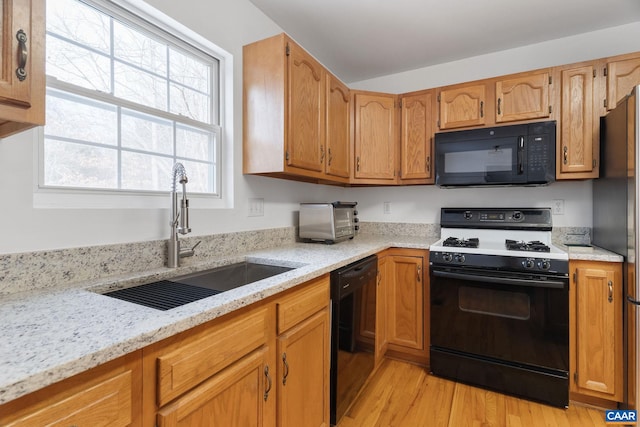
545,264
528,263
460,258
517,215
467,215
447,257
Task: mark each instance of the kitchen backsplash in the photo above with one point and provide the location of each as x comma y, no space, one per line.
50,269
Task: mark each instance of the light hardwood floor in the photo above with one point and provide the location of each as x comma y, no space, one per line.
400,394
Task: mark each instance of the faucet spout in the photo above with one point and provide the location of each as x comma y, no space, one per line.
179,220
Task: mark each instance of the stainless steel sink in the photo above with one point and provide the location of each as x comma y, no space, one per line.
231,276
168,294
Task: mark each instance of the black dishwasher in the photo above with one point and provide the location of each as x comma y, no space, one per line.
353,301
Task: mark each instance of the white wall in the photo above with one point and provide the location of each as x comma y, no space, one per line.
421,204
230,25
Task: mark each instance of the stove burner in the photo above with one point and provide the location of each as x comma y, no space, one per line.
533,246
461,243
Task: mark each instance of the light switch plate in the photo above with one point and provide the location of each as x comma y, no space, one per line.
256,207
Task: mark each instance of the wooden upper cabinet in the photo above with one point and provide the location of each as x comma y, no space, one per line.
338,128
523,98
22,70
416,137
305,121
296,115
622,76
375,137
579,137
462,106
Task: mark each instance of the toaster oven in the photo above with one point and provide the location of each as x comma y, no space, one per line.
328,222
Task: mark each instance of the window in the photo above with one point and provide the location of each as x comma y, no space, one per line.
125,101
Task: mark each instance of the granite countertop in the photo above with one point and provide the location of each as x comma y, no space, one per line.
50,335
590,253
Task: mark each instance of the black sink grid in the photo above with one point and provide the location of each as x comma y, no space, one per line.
163,295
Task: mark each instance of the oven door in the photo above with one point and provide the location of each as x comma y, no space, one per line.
483,161
507,332
518,318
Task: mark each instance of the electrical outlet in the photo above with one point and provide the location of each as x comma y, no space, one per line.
386,208
558,207
256,207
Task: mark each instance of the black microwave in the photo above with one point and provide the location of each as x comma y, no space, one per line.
508,155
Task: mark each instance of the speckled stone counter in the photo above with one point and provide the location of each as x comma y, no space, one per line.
50,334
591,253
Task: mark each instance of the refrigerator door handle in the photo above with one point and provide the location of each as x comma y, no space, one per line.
633,301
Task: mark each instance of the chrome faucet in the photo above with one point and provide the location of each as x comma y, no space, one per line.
179,220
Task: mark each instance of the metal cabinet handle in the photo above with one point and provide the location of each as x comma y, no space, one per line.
330,157
499,106
21,71
358,163
428,163
286,368
610,291
268,389
321,154
565,155
419,273
481,108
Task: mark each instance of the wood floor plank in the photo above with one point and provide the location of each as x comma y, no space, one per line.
400,394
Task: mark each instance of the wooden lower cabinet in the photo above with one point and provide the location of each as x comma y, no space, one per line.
303,367
108,395
303,356
265,365
238,396
596,349
407,300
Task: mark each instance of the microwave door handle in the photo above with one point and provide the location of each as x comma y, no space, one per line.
520,155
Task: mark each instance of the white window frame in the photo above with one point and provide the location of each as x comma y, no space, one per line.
59,197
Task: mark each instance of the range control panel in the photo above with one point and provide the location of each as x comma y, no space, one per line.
499,218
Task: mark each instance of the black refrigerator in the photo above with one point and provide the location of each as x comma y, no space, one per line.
615,221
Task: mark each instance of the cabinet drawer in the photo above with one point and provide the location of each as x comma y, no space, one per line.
108,403
201,356
301,304
108,395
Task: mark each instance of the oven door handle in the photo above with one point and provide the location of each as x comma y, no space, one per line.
554,284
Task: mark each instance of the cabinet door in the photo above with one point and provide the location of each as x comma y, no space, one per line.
416,137
462,106
579,136
381,339
405,295
622,76
598,337
522,98
242,395
305,117
375,148
21,65
303,373
338,133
